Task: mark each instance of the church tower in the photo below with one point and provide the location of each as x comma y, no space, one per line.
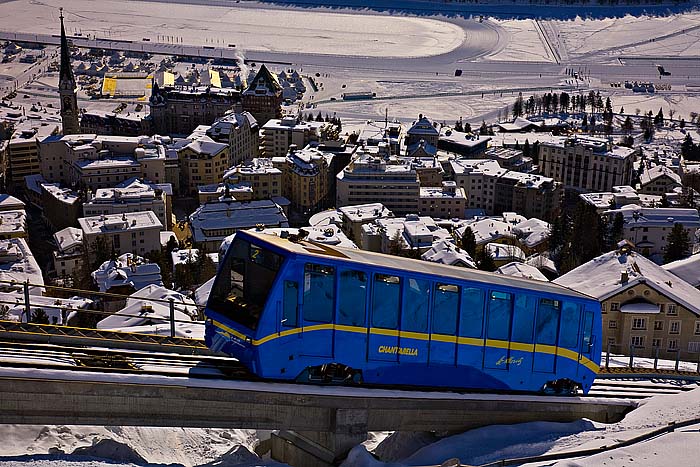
67,88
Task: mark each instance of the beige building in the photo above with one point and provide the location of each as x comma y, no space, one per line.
494,189
241,132
202,162
644,306
277,135
133,195
658,180
446,202
133,232
23,154
306,178
68,258
586,163
260,174
354,217
371,178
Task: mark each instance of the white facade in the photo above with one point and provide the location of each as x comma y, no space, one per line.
134,232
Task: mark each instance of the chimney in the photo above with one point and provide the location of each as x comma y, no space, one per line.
624,276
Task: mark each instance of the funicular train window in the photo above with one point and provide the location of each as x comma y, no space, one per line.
471,322
319,293
290,304
416,298
547,321
353,296
244,282
386,295
500,309
524,318
445,309
570,317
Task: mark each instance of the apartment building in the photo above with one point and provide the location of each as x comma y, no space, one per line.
645,308
354,217
648,228
129,232
242,134
212,222
133,195
260,174
202,162
69,256
307,179
373,178
494,189
585,163
658,180
446,202
22,153
263,96
278,135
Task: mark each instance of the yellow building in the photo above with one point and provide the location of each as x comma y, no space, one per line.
646,309
260,174
202,162
307,179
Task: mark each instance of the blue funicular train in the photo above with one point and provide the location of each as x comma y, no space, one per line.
291,309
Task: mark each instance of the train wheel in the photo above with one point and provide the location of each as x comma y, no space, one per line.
331,373
561,387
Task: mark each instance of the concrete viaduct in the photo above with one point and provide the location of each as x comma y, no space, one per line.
318,424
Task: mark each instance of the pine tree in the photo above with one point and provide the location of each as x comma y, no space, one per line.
484,260
678,244
468,242
616,230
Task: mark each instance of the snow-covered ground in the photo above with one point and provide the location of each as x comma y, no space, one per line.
36,445
250,29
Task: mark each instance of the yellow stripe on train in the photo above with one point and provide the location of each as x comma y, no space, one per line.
475,342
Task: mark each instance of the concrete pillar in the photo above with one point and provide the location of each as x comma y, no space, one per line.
321,448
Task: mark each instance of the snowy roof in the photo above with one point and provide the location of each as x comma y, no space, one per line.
257,165
68,238
17,263
501,252
13,222
201,295
8,202
521,270
206,145
657,172
542,262
477,167
328,217
532,232
446,252
487,230
365,212
127,270
64,195
184,256
637,216
519,124
120,222
604,276
217,219
687,269
423,127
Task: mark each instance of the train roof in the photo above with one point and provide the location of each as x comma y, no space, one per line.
313,249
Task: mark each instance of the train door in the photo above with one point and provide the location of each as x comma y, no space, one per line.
569,327
499,315
383,332
443,337
318,309
470,351
413,338
521,344
351,320
547,324
588,342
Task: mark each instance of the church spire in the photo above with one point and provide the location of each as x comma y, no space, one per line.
66,71
67,88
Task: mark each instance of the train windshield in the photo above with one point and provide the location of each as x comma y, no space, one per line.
244,282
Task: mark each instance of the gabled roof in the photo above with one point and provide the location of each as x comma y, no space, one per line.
614,272
264,78
423,127
687,269
657,172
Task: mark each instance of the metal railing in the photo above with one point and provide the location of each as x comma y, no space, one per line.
29,317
